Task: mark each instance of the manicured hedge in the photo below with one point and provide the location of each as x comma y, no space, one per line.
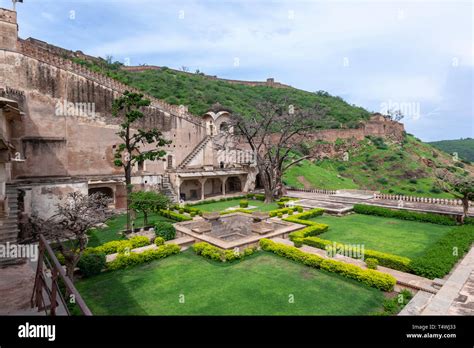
91,264
165,230
217,254
313,229
404,214
133,259
376,279
237,210
119,246
399,263
174,216
440,258
289,210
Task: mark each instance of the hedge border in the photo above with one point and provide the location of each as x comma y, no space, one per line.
212,252
134,259
404,214
370,277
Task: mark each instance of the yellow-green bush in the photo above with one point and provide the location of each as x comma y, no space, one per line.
133,259
370,277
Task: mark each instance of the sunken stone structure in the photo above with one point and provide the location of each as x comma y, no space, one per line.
58,135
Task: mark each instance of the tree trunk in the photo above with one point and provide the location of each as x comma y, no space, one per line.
145,218
266,186
128,183
70,267
465,208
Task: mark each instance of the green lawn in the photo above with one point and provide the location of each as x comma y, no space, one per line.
223,205
117,224
394,236
259,285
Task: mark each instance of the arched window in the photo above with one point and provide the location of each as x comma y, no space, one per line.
224,127
170,162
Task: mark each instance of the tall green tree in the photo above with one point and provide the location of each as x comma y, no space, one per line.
128,107
148,202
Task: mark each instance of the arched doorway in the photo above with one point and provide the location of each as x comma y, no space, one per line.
258,182
212,187
190,190
233,185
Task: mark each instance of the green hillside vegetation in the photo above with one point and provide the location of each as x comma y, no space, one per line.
376,164
463,147
200,93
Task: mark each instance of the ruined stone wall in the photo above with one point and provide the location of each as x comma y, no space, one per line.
58,143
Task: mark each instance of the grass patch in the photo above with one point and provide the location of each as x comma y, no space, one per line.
250,287
394,236
117,224
223,205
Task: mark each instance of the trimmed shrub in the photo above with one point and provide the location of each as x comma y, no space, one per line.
376,279
217,254
280,214
133,259
298,243
399,263
119,246
371,263
440,258
181,211
244,203
159,241
404,214
174,216
281,204
165,230
92,264
238,210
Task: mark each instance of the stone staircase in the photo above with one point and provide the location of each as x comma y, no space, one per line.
168,191
195,151
9,222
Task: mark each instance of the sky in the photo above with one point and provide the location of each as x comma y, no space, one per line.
413,56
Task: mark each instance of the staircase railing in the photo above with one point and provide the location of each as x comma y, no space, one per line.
46,292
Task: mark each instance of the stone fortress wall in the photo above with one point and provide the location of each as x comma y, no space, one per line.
60,150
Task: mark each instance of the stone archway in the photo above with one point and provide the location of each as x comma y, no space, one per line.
212,187
233,184
190,190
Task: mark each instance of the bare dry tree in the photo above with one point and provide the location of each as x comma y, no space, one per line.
272,133
68,227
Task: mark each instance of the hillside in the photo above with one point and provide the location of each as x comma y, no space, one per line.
375,164
200,93
463,147
386,165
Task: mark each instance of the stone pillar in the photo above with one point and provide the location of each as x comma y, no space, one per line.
203,183
223,180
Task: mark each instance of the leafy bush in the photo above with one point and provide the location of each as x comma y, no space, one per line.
133,259
404,214
217,254
298,243
244,203
91,264
440,258
395,304
382,281
281,204
238,210
119,246
371,263
280,214
399,263
174,216
165,230
159,241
